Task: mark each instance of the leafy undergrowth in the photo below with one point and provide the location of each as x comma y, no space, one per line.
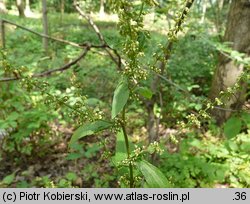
189,160
35,150
208,161
82,166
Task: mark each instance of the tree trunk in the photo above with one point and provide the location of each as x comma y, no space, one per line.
221,4
102,11
152,121
227,73
20,7
204,10
27,7
2,7
62,7
2,31
45,25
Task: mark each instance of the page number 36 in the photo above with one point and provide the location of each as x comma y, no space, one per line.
240,196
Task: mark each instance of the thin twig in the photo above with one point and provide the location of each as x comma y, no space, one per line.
189,95
173,84
118,61
90,21
43,35
78,45
52,71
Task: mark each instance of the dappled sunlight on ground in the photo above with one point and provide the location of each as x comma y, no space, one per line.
28,13
152,22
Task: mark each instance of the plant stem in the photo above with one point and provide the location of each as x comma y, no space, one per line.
123,125
142,6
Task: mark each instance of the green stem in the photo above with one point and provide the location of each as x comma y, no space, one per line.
142,6
123,125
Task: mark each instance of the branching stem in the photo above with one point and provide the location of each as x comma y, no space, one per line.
123,125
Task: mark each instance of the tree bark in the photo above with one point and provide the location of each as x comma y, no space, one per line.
227,72
221,4
62,8
102,11
27,7
45,25
2,31
2,7
20,7
204,10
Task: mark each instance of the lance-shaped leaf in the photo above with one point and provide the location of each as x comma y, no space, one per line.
120,98
153,176
89,129
120,153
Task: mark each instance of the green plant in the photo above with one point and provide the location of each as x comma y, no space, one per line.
84,99
131,29
209,162
234,124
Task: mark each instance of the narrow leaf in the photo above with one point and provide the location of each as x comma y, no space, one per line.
120,153
153,176
120,98
232,127
89,129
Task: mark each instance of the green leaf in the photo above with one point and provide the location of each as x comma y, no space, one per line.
246,119
8,179
71,176
232,127
73,156
245,147
232,145
93,102
145,92
120,98
89,129
142,39
153,176
13,116
120,153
